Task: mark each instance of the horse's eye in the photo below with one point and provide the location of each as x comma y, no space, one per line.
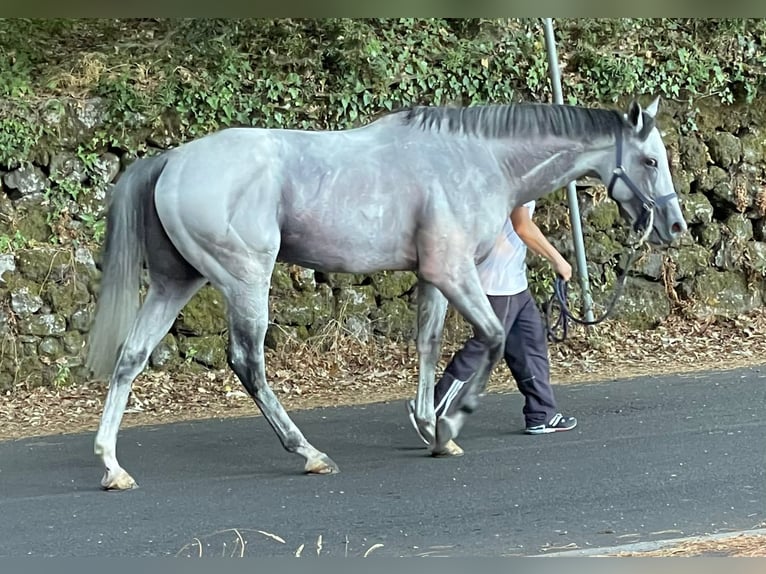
650,162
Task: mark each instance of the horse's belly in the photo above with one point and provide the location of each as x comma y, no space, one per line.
346,254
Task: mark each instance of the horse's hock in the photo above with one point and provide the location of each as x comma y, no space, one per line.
47,291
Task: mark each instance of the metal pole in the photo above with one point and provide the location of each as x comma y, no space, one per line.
574,207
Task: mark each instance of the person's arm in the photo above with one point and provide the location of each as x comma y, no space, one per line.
534,239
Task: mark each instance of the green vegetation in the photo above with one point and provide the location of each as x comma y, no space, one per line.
189,77
95,85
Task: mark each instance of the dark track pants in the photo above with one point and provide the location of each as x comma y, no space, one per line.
526,354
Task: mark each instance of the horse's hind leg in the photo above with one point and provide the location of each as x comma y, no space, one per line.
163,302
248,306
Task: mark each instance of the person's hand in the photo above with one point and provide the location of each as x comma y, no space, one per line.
564,269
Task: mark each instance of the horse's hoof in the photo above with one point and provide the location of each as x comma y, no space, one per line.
447,429
449,449
321,465
427,434
425,429
468,403
118,480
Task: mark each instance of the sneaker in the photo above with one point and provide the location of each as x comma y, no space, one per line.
558,423
411,414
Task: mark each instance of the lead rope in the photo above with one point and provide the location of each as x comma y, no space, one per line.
559,297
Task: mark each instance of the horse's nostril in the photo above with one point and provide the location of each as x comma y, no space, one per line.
678,228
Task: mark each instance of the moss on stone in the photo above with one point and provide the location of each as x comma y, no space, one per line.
73,343
643,304
41,265
166,354
604,215
46,325
24,298
304,308
32,225
694,154
355,300
50,347
754,147
714,176
722,294
725,149
205,314
601,248
729,255
18,282
756,251
66,299
391,284
650,264
280,279
395,318
8,371
81,319
209,350
697,209
682,181
741,227
690,260
302,278
338,280
29,372
708,234
323,308
280,337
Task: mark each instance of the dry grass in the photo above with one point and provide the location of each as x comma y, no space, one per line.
337,369
740,546
242,542
85,73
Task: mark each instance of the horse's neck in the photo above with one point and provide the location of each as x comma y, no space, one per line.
534,168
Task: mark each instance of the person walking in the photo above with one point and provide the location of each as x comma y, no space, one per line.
504,277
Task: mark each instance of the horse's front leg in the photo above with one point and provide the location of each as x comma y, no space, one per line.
468,297
432,310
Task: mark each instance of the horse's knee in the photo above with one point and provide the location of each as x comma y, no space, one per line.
429,347
235,360
130,362
239,364
496,344
246,366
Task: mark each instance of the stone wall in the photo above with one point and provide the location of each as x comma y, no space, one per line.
48,289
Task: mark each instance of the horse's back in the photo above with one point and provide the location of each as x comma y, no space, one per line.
350,201
325,199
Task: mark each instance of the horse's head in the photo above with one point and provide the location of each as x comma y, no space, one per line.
641,183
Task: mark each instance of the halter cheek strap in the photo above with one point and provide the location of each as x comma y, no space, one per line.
644,223
648,203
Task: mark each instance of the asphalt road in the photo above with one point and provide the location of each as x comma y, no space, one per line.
652,458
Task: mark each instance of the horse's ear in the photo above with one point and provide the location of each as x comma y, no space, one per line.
648,119
642,120
634,115
652,108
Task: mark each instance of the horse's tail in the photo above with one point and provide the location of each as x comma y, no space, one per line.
122,263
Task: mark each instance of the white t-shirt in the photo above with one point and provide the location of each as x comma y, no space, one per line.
504,271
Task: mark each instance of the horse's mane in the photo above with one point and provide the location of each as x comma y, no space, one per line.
525,119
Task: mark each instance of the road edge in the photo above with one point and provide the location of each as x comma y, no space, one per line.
650,545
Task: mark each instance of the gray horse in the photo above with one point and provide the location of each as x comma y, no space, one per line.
424,189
